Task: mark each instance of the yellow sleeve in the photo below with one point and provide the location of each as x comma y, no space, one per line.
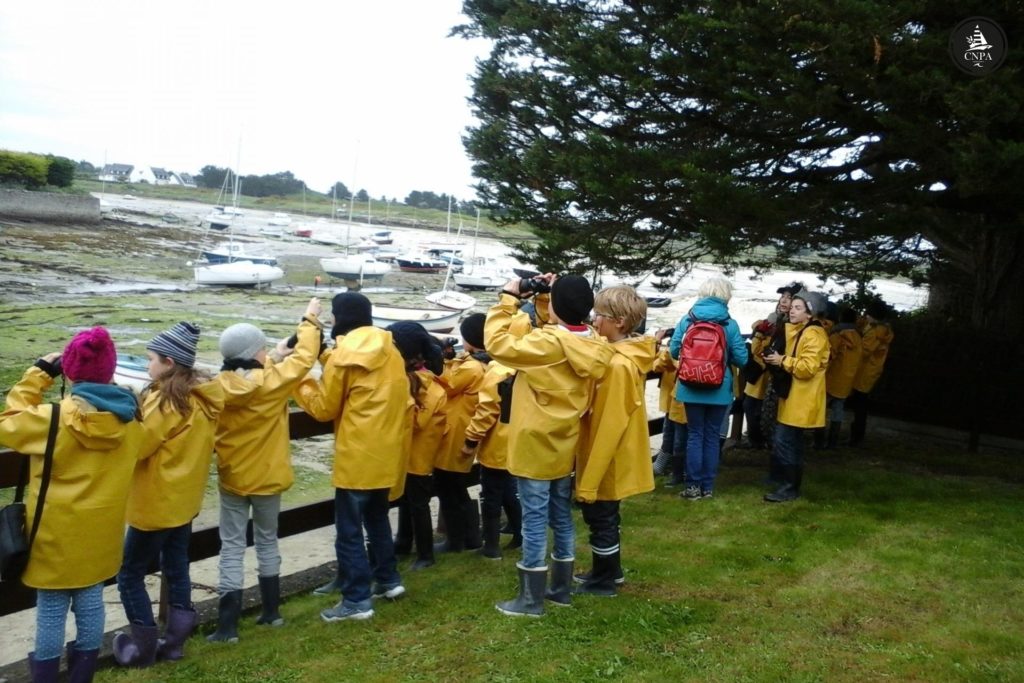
488,407
322,399
519,353
157,425
283,375
458,378
540,307
25,424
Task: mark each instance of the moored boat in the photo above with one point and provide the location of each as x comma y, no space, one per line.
227,253
457,301
355,267
420,263
238,274
433,319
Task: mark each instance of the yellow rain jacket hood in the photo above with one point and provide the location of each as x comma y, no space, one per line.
552,392
81,533
805,406
253,443
365,391
614,458
168,486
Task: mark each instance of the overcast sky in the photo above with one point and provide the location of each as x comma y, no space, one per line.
371,93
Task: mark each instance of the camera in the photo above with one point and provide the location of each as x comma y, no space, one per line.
533,285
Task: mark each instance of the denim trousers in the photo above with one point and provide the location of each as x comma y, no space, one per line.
704,422
52,613
141,550
668,436
355,510
546,503
604,520
834,408
234,517
789,444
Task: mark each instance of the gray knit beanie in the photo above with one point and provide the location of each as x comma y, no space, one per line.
241,342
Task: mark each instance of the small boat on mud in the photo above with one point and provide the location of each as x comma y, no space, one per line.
446,298
432,319
355,267
227,253
238,274
420,263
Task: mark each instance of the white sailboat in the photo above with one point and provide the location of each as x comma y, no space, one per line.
238,274
446,297
480,273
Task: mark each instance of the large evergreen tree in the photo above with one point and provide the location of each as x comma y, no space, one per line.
639,135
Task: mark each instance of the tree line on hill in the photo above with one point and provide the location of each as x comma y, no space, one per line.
35,171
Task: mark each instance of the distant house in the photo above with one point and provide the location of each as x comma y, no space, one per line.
163,176
142,174
116,173
185,179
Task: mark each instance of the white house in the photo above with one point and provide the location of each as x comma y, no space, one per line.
142,174
116,173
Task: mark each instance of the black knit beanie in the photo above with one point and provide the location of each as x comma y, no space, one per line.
472,329
413,341
572,298
351,310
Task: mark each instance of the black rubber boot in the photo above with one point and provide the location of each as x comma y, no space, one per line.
473,539
81,664
180,624
602,578
404,535
530,601
819,439
46,670
455,531
270,596
560,587
228,609
790,490
833,435
677,466
423,532
137,649
491,538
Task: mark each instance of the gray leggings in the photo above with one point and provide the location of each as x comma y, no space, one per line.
234,514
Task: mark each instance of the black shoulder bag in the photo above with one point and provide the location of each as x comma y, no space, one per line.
14,546
782,381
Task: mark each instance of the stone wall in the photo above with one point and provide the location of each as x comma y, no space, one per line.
49,207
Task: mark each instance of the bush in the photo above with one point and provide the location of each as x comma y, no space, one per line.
29,170
61,172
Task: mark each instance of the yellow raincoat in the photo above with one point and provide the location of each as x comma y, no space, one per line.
365,391
168,486
805,406
429,426
758,344
486,427
875,344
614,458
667,403
252,443
844,340
462,379
553,392
81,533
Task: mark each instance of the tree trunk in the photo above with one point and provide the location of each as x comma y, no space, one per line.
998,301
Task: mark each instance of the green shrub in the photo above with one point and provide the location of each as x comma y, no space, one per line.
61,172
21,168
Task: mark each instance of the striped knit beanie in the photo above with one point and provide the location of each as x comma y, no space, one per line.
178,343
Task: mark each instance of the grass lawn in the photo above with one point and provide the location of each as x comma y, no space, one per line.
905,566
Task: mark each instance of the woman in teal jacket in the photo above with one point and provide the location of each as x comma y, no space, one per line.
706,407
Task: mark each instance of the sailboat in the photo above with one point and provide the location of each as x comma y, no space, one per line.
479,273
358,266
446,297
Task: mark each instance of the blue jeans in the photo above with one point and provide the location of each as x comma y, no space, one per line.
704,421
789,444
52,613
141,549
355,510
834,408
546,503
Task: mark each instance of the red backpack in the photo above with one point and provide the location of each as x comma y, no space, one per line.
702,355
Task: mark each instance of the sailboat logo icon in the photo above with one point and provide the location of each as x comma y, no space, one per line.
978,46
976,40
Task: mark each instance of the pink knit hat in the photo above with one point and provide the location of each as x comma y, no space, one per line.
90,357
